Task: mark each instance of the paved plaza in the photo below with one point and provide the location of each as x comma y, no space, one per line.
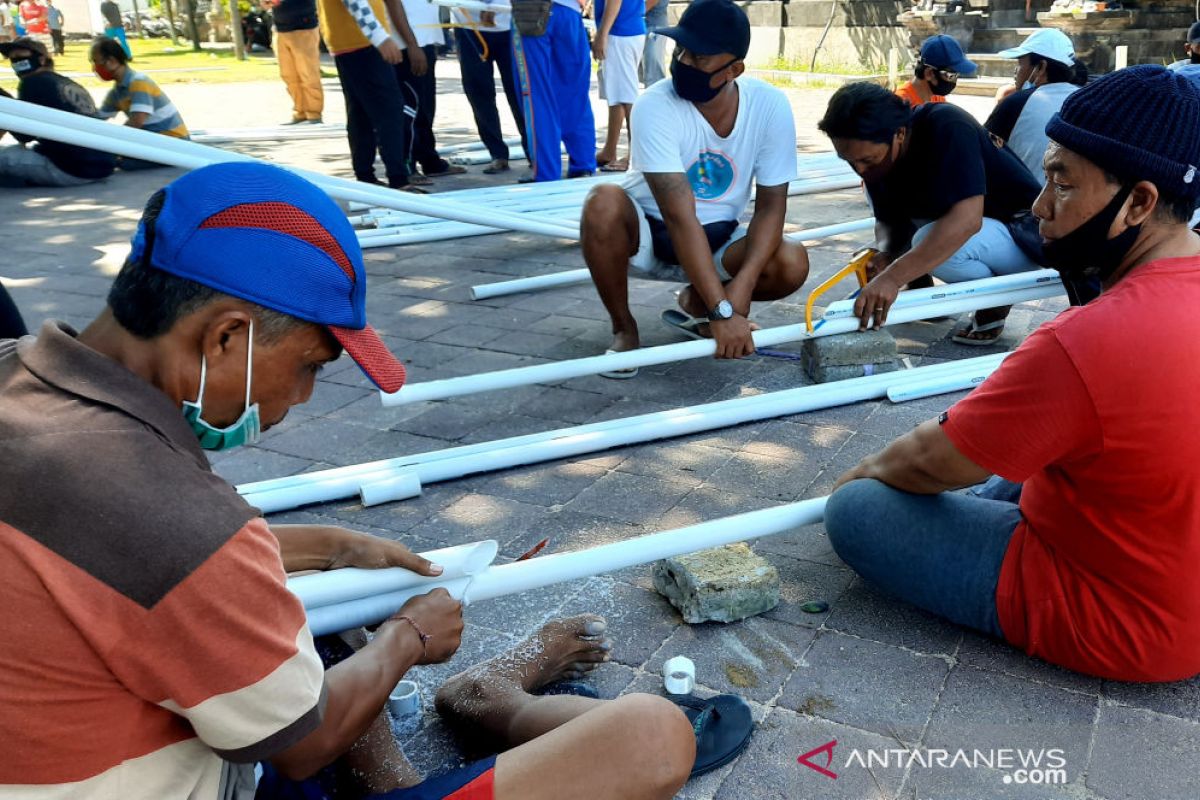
869,673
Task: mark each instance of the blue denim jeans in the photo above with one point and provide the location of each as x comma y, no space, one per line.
990,252
940,552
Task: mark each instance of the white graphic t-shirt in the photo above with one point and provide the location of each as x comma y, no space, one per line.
670,135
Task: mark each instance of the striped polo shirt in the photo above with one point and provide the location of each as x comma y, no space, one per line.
137,93
151,648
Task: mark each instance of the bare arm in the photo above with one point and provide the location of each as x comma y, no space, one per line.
923,461
675,200
137,119
651,4
611,9
948,234
358,687
399,18
762,240
324,547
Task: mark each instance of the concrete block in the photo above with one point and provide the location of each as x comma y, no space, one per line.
849,355
725,584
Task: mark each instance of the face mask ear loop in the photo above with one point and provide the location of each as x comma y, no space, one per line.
249,361
203,377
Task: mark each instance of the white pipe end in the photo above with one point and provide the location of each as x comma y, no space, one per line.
401,487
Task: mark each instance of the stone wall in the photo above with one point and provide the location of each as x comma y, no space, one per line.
862,33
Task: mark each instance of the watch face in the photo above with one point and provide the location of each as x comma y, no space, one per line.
724,310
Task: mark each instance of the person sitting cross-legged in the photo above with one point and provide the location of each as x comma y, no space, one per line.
1081,546
153,649
700,141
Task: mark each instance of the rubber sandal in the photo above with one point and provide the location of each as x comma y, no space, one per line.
962,336
576,688
723,727
450,169
417,179
615,167
681,322
619,374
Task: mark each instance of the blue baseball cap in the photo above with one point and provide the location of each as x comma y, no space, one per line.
944,52
708,27
270,237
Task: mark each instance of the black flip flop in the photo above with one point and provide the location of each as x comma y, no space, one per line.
723,727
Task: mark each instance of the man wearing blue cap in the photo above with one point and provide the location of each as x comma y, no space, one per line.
700,142
1191,48
1081,547
152,647
937,71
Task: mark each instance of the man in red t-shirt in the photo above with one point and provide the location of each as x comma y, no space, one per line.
1082,550
34,18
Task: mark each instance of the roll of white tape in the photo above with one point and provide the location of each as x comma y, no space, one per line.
679,675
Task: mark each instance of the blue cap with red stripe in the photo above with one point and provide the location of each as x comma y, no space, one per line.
270,237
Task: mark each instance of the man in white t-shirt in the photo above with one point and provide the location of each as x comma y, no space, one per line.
418,81
484,40
699,141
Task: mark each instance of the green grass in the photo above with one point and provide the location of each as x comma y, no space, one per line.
829,68
160,58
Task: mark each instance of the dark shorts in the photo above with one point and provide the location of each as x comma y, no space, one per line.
472,782
717,233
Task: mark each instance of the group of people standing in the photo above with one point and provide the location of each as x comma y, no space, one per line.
40,19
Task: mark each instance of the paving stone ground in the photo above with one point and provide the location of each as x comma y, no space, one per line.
869,673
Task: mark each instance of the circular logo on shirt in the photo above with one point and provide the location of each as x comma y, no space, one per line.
711,175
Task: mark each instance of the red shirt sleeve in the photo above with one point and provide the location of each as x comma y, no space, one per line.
1032,412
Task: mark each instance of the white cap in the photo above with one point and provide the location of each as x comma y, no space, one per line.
1048,43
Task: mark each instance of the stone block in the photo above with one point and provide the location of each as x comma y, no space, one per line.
849,355
725,584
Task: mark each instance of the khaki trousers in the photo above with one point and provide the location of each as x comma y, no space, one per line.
299,57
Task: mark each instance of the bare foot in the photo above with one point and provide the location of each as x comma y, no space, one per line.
563,649
625,340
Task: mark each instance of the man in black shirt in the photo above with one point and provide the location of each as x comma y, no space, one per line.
48,163
946,200
298,51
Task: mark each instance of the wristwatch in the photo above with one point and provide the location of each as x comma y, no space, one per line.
723,310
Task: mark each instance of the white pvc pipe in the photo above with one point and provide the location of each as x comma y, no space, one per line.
566,207
235,135
537,573
62,126
501,288
401,487
339,585
954,382
334,484
369,610
1001,283
648,356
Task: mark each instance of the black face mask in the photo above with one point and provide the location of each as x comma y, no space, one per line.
1086,254
24,66
1195,56
691,83
942,87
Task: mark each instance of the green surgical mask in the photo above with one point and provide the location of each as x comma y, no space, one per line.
247,427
